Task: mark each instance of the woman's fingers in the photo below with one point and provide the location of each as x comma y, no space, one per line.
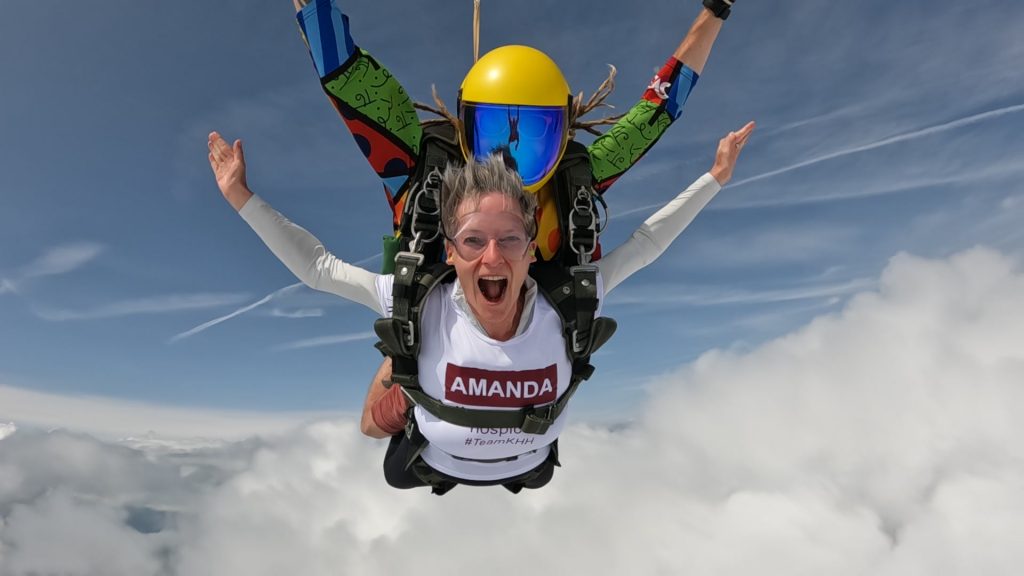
738,138
729,148
744,133
219,149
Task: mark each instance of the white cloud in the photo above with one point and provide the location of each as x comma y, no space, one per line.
883,439
152,305
108,418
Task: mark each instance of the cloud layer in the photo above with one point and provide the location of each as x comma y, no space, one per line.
882,439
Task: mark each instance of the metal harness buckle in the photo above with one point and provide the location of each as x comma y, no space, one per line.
577,345
583,217
409,334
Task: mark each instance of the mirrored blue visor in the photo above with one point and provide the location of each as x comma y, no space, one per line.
534,135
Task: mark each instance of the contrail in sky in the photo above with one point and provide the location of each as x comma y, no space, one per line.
257,304
952,125
231,315
886,141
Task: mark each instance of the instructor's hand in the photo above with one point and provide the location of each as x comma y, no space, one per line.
228,164
729,149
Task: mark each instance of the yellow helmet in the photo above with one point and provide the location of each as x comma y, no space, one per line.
515,98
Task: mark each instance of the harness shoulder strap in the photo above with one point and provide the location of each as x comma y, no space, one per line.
399,334
420,224
576,202
573,294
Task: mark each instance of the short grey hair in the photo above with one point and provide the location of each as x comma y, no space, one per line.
476,178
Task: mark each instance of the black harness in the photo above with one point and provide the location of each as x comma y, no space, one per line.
570,287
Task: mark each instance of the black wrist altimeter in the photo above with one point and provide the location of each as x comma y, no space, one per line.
719,8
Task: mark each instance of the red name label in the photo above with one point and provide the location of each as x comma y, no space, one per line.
500,388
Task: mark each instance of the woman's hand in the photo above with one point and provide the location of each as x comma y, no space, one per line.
729,149
228,165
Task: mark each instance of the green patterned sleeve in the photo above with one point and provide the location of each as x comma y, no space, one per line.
618,149
632,136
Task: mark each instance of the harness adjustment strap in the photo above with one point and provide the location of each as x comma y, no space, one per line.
537,421
584,286
403,297
399,334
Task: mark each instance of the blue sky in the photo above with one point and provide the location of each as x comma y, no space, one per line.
882,128
824,373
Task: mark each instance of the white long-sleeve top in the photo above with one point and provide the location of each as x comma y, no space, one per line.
321,270
459,364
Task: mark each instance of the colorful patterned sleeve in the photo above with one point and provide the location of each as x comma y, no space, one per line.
618,149
375,107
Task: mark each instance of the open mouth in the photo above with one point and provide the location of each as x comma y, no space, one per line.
493,288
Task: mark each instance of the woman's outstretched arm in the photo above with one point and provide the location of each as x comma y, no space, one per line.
295,247
665,225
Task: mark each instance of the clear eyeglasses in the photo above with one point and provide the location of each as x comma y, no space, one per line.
471,244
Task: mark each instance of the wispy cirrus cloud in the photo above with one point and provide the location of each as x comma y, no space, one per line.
58,260
908,136
152,305
326,340
63,259
674,295
784,243
898,185
299,313
848,111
